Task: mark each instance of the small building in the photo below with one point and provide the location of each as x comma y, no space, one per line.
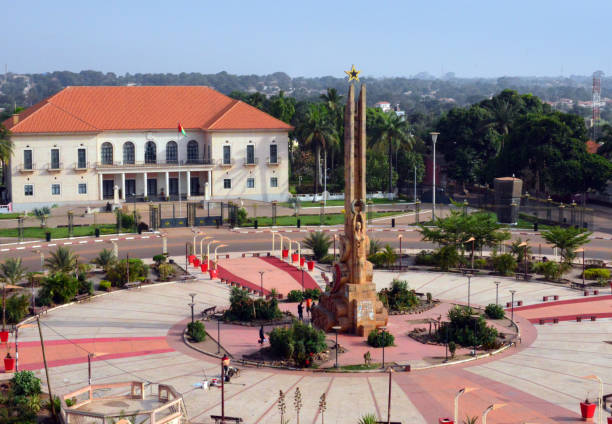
89,144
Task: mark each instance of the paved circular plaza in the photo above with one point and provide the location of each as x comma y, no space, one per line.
137,335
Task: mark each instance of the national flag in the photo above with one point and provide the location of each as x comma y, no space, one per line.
181,129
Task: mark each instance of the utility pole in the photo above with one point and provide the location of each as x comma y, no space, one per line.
42,345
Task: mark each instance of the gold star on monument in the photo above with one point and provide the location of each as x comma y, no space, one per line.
353,74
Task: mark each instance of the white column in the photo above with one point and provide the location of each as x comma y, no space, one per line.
144,176
123,186
167,189
188,184
208,191
100,178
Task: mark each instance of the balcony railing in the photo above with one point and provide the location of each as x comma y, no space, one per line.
223,162
55,167
153,164
274,162
81,166
30,168
252,162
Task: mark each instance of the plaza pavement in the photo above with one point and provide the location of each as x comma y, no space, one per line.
538,381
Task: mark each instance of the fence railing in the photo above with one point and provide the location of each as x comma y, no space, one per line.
152,163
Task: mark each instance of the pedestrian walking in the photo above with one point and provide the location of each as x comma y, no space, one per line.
262,336
308,306
301,311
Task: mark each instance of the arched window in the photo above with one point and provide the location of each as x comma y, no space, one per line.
192,151
128,153
150,152
106,153
171,152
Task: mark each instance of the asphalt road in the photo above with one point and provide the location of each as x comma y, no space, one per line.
249,241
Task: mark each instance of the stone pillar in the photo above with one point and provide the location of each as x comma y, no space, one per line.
144,176
167,189
101,185
208,185
188,185
123,194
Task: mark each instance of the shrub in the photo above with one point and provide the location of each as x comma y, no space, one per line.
117,274
446,257
17,307
85,286
142,227
25,383
377,260
159,259
196,331
375,247
241,216
58,288
552,271
298,342
165,271
295,296
319,243
127,219
105,259
494,311
461,328
378,338
368,419
398,297
452,348
425,258
597,274
480,263
504,264
105,285
243,308
313,294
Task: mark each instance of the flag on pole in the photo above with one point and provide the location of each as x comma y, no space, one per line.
181,129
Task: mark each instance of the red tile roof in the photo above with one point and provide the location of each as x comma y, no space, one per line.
96,109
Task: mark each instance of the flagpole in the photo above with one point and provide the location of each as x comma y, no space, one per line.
178,156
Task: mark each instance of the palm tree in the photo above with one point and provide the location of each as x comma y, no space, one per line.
105,259
62,260
318,131
567,240
11,272
319,243
332,99
6,149
392,132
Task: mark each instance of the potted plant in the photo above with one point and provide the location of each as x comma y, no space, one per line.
9,362
587,409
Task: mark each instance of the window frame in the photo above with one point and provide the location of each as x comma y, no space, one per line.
59,189
129,158
276,181
25,193
79,188
275,147
250,149
31,159
193,151
84,164
229,155
104,157
227,183
250,180
148,159
172,154
54,162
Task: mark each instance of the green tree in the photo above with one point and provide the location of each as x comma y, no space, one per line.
391,132
58,288
282,107
319,243
11,272
61,260
6,149
567,240
105,259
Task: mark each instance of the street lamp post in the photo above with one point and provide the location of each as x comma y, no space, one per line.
216,258
261,273
336,328
512,316
400,251
383,328
457,396
434,138
208,252
582,250
599,398
469,277
191,305
489,409
389,398
202,245
497,283
335,247
472,239
218,335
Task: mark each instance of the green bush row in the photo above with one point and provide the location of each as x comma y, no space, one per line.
196,331
299,342
299,295
378,338
597,274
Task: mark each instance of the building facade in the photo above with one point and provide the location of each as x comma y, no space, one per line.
87,145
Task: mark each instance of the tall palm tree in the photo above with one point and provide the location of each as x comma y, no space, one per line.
391,132
11,272
62,260
318,131
332,100
6,149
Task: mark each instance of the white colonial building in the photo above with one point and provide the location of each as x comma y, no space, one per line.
94,144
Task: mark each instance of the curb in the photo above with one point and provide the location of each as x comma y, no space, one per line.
74,241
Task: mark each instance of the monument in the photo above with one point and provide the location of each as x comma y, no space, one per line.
507,199
352,303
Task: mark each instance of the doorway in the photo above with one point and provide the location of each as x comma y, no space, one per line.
173,189
152,186
108,189
130,188
195,186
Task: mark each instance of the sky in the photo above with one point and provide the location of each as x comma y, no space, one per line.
384,38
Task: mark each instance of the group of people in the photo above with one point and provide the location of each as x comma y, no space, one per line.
300,309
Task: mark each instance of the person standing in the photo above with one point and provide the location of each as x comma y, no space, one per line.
300,312
262,336
308,306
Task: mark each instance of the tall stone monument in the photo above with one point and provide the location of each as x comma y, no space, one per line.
352,302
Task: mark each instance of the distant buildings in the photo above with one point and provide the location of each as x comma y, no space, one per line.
386,107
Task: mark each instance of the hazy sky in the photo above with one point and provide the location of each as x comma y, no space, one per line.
309,38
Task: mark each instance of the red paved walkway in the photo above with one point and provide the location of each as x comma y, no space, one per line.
568,310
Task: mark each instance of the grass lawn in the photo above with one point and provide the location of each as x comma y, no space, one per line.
309,204
12,215
37,232
360,367
330,219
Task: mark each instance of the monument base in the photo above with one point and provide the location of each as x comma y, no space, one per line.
354,307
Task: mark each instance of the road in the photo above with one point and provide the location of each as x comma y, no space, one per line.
261,240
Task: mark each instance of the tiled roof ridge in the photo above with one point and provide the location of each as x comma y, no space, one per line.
49,101
223,113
